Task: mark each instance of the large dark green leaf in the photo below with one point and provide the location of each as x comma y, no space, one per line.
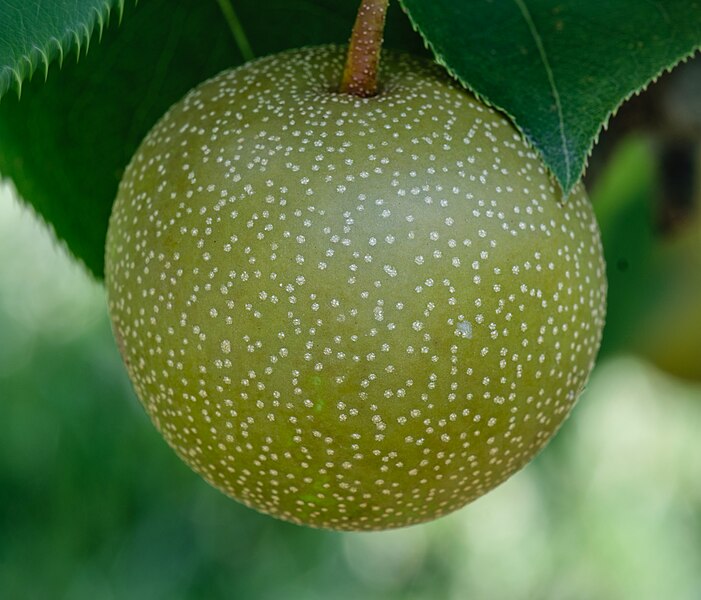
559,68
34,33
67,141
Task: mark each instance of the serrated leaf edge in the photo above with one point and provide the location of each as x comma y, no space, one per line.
636,92
57,48
566,187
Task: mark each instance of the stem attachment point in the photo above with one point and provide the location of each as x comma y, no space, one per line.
363,61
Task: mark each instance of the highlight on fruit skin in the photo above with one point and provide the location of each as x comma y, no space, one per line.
350,313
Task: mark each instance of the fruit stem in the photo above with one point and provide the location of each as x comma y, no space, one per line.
363,61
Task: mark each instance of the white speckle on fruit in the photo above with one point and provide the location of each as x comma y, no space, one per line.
464,330
286,268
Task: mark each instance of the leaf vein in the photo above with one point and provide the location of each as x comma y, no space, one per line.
551,80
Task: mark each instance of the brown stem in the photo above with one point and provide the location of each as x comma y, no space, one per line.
363,62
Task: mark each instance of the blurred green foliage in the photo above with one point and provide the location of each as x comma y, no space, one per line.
94,505
654,302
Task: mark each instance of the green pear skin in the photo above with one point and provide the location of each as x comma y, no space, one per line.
350,313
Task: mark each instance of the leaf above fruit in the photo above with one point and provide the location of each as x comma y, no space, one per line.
558,68
34,34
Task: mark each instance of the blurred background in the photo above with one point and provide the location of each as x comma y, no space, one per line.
94,505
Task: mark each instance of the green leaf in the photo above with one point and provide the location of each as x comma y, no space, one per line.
67,141
559,68
34,33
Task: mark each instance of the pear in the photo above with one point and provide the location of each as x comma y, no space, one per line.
351,313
